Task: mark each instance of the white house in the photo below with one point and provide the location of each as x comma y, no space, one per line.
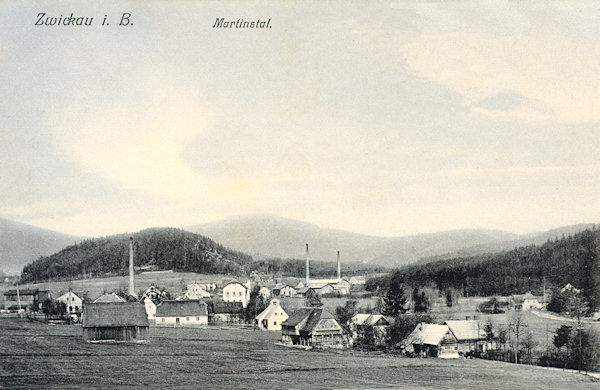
265,292
235,291
181,313
195,291
73,302
284,290
272,317
150,309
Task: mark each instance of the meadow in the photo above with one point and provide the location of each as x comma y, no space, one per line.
35,355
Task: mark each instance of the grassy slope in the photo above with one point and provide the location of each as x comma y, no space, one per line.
52,357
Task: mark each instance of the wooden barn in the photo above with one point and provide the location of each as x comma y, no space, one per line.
119,321
313,327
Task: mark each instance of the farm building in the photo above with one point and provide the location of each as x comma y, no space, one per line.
24,298
432,340
272,317
468,334
235,291
313,327
326,286
109,298
72,301
225,312
181,313
360,324
122,321
526,302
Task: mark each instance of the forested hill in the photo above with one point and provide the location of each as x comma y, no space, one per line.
154,249
574,259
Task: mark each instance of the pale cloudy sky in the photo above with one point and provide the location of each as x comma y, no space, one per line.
385,118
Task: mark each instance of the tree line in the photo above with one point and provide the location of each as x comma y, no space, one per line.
573,259
155,249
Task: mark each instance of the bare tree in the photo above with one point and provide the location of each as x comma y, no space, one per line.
516,327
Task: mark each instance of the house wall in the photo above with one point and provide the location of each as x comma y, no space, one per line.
181,321
235,292
73,302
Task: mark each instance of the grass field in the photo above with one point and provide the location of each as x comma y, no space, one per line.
34,355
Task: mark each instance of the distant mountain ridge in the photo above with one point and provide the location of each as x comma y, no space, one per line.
265,235
21,244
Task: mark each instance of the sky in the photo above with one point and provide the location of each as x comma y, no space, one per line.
384,118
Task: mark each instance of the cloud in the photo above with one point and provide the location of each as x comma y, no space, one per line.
560,74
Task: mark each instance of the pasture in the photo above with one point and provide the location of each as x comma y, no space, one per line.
35,355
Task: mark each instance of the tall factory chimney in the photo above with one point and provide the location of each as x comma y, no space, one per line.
339,265
131,287
307,267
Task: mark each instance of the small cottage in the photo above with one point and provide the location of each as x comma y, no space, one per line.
468,334
432,340
181,313
314,327
150,309
361,323
272,317
122,321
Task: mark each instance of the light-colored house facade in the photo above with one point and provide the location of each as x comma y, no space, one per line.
150,309
184,313
72,301
313,327
432,340
272,317
235,291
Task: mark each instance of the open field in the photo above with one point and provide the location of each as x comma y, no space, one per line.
34,355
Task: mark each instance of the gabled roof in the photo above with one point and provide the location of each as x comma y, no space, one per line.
314,318
269,311
103,315
297,317
427,334
109,298
465,329
72,293
181,308
369,319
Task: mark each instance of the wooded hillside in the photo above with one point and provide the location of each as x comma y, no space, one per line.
154,249
573,259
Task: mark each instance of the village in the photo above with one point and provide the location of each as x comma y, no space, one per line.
302,312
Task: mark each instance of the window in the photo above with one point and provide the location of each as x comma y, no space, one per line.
227,294
197,318
187,318
162,319
274,322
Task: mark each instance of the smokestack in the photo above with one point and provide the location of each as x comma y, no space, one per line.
307,267
339,265
131,288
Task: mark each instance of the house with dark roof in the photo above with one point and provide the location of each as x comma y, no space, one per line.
224,312
24,298
314,327
181,313
115,321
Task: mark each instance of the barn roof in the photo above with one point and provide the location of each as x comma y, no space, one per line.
427,334
465,329
114,314
22,291
181,308
297,316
